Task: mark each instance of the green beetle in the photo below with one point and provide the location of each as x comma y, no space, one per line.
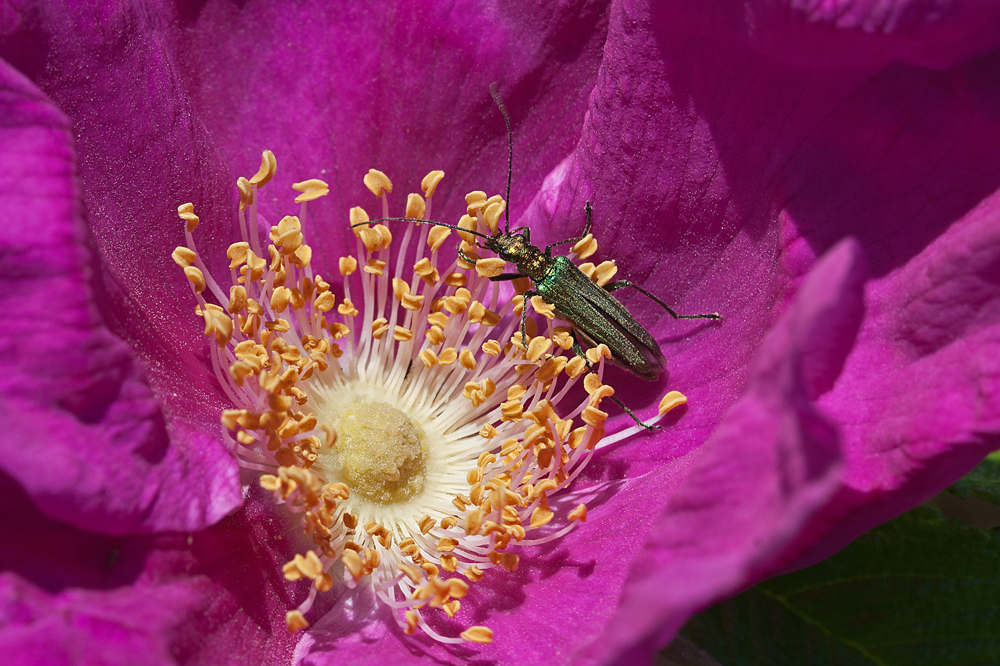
595,315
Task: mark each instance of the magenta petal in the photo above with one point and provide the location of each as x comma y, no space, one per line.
84,433
771,464
72,597
874,33
928,366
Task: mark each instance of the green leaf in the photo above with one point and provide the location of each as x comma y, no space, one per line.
919,590
983,481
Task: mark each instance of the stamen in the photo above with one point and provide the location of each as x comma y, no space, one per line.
429,422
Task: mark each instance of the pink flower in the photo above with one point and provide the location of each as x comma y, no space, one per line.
822,175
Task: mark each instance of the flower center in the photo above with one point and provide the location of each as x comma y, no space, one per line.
380,452
397,408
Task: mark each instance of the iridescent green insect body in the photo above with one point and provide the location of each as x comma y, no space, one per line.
595,315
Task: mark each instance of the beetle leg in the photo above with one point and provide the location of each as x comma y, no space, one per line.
506,277
578,350
620,284
586,230
524,316
464,258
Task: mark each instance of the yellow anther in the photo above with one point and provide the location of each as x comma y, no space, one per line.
186,213
411,620
479,314
604,272
579,513
591,383
415,206
438,319
246,192
426,524
280,298
537,348
371,238
302,256
467,223
516,392
374,266
457,588
295,621
478,634
488,431
436,237
325,301
473,521
400,288
492,215
585,247
449,522
594,417
183,256
512,410
385,236
428,358
196,277
455,305
575,367
218,323
600,393
541,516
413,302
550,368
672,400
446,545
287,234
427,272
347,265
376,181
347,309
448,356
402,334
237,298
314,188
435,335
256,265
594,354
268,165
451,608
561,336
448,562
358,215
492,348
430,182
490,267
467,360
245,438
543,308
238,253
353,563
338,330
474,196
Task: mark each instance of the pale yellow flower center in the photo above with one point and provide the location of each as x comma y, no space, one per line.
380,453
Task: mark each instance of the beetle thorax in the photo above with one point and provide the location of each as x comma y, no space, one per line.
518,250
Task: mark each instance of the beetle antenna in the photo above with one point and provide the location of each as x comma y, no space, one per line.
414,219
495,93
